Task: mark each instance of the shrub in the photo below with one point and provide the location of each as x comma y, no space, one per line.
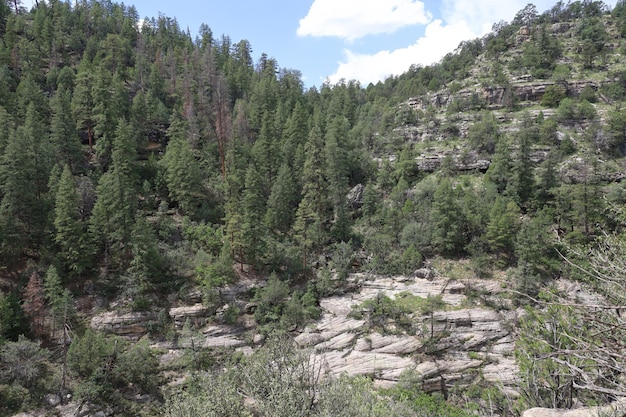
553,95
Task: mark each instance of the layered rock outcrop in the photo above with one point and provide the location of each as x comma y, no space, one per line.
495,96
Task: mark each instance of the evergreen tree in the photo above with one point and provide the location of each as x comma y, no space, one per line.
523,179
33,303
282,202
114,211
59,300
499,172
448,219
336,165
24,171
295,137
503,226
70,237
182,172
83,100
311,215
253,205
485,134
266,152
6,127
63,133
146,268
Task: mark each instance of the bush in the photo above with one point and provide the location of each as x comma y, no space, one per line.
23,362
12,399
587,111
106,368
588,93
553,95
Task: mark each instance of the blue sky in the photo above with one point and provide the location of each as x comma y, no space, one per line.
366,40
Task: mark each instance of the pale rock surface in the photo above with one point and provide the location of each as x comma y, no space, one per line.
342,344
617,409
131,325
195,314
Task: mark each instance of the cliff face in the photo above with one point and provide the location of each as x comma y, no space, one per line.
494,97
458,344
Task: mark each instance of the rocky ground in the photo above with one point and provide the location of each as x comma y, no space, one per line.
460,343
467,338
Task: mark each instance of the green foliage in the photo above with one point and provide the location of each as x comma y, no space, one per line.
503,226
589,94
408,391
253,207
239,164
114,211
485,134
448,219
106,368
23,362
6,316
594,37
535,249
553,95
617,126
382,311
546,336
562,73
59,299
24,173
71,231
182,173
282,202
207,395
312,211
541,53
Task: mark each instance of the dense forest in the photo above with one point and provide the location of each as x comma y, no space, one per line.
140,168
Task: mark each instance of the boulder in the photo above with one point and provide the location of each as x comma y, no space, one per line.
196,314
560,27
355,196
393,344
424,273
132,325
618,408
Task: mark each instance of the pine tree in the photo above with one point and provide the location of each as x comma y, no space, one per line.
70,237
114,211
336,165
523,180
6,127
182,172
63,133
61,305
448,219
33,303
83,100
311,215
146,267
282,202
294,138
504,222
253,207
24,171
499,172
266,152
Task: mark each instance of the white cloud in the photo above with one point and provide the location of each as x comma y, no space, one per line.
354,19
436,42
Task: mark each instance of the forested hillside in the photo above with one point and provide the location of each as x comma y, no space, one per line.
143,170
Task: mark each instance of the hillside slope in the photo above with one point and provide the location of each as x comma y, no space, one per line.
169,206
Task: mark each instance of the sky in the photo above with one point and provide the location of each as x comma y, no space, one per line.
331,40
